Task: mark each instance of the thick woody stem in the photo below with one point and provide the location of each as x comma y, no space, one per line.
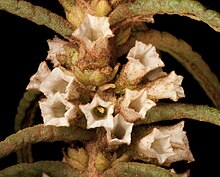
51,168
38,15
173,111
41,133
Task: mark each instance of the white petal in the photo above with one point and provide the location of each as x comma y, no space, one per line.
147,56
56,110
176,132
166,87
121,132
135,105
155,74
36,79
93,28
156,145
93,120
179,142
56,48
134,71
56,81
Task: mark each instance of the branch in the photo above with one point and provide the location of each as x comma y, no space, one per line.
38,15
41,133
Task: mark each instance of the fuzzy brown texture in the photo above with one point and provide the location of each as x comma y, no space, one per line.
41,133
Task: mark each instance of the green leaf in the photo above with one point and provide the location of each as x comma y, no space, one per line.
147,8
173,111
131,169
51,168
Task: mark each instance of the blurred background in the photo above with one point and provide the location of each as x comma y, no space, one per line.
24,46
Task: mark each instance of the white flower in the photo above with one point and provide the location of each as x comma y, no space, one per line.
98,113
56,47
142,59
56,110
56,81
166,87
179,142
38,77
135,105
121,131
166,143
156,145
93,28
146,55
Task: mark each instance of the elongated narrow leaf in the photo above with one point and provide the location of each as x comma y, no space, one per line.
131,169
51,168
172,111
190,8
38,15
41,133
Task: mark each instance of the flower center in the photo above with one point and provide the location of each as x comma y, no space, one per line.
119,132
99,112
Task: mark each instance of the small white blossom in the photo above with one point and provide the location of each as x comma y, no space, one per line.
166,87
56,47
166,143
146,55
142,59
93,28
135,105
36,80
56,110
56,81
121,132
179,142
98,113
156,145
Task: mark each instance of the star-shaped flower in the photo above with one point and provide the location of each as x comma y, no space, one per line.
142,60
57,111
121,131
156,145
93,28
135,105
146,55
179,142
36,80
98,113
56,81
166,87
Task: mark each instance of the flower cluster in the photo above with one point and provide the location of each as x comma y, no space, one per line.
88,81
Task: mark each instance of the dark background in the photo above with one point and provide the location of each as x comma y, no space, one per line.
24,46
